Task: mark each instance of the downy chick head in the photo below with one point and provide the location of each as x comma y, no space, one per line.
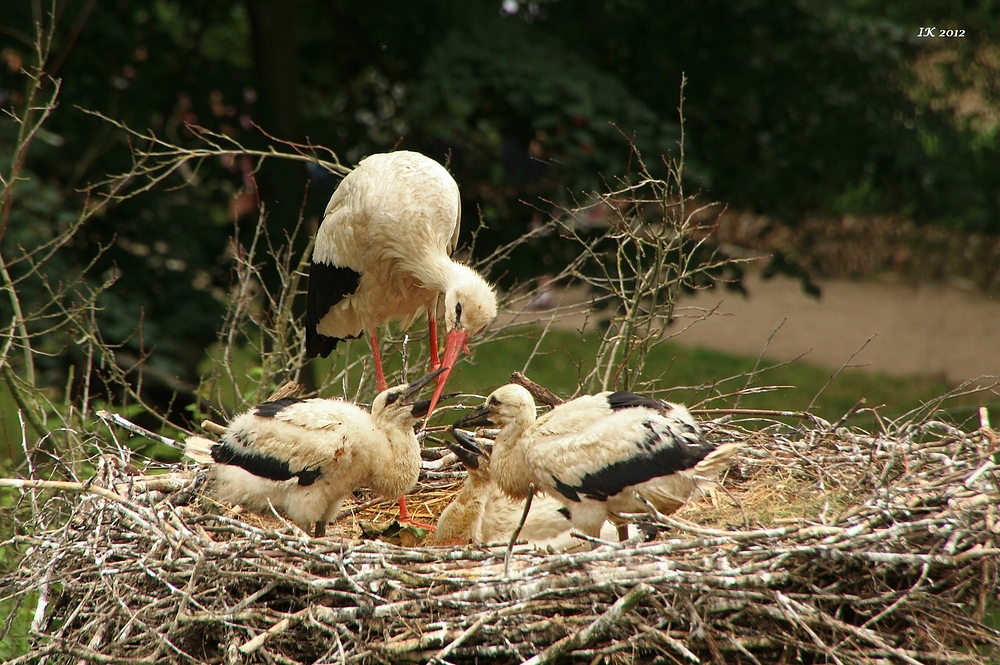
505,405
398,407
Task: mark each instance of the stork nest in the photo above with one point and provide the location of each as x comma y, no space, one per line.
832,546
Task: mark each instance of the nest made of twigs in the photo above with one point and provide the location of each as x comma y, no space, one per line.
832,546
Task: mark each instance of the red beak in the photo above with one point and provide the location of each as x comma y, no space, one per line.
456,343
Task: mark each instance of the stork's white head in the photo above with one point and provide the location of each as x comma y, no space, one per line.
469,307
396,406
506,405
469,302
512,408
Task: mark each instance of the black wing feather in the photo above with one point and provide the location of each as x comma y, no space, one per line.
263,466
626,400
271,409
655,457
328,285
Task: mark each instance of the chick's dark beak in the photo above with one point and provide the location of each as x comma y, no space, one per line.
467,450
422,406
467,456
478,417
413,388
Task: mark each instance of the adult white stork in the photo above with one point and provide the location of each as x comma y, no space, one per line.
305,456
594,453
383,253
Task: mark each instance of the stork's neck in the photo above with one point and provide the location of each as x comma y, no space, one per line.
439,273
475,492
394,463
509,463
461,521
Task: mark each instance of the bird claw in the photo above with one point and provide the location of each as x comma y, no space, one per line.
413,522
405,518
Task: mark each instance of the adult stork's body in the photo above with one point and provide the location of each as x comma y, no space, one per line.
305,456
596,452
383,253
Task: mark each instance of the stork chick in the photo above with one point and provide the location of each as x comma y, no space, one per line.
383,253
594,453
305,456
481,513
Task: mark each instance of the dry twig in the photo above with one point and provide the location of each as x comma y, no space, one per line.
872,567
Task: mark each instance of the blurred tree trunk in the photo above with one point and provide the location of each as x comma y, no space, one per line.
274,28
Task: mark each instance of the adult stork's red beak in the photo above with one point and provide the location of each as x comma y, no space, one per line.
455,344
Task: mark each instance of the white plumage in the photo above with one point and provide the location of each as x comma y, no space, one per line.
481,513
594,453
383,253
304,457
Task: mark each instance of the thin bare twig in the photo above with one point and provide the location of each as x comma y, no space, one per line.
115,419
517,531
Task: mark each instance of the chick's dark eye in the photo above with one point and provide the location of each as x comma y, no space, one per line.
492,402
391,398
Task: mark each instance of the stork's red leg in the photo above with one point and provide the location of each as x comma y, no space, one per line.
405,518
432,330
380,383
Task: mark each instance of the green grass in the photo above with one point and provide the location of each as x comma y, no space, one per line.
563,358
689,375
677,370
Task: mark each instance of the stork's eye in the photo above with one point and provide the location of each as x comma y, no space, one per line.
458,313
391,398
492,402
